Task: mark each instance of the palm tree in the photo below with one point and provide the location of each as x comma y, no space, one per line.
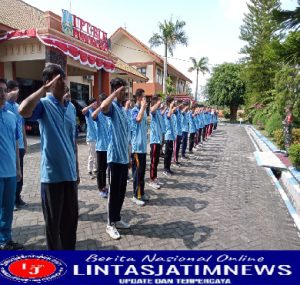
170,34
201,65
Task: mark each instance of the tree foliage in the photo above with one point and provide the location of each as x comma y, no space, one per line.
260,32
226,87
199,66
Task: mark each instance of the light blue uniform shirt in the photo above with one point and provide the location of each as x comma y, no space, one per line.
201,123
14,107
102,125
91,135
8,136
185,122
118,146
155,128
178,115
206,119
139,132
174,122
192,126
170,133
58,131
162,121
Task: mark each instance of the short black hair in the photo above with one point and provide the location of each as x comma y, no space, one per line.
186,103
92,100
139,92
169,99
117,83
11,84
102,97
52,70
2,80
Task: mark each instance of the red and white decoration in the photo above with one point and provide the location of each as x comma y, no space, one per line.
69,49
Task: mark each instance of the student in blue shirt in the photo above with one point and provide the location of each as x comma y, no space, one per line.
117,155
91,137
192,129
161,113
13,106
178,131
139,148
101,125
59,160
9,170
169,136
155,140
185,128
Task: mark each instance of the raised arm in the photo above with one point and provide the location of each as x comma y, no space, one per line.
140,115
85,109
155,106
28,105
105,105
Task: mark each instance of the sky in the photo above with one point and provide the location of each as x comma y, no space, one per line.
212,26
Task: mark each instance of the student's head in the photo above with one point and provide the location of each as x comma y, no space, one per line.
50,72
115,84
185,104
154,99
12,90
169,100
102,97
3,91
139,95
93,102
179,103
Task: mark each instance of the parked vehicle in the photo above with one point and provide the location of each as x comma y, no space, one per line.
79,105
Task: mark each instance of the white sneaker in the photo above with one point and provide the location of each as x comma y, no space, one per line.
113,232
122,225
138,201
158,182
154,185
145,197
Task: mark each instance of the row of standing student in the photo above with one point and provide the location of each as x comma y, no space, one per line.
120,143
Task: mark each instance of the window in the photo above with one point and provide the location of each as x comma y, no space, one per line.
142,70
79,92
159,76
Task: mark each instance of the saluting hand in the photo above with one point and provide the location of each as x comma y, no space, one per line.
144,103
50,83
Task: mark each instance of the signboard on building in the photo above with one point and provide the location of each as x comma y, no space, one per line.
83,31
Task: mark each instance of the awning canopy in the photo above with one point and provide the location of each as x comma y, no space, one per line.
77,53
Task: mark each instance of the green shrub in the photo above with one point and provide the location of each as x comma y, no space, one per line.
260,119
279,139
274,123
296,136
294,155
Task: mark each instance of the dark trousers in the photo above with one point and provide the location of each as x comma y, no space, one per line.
177,144
168,155
60,209
7,201
204,133
139,170
215,125
20,183
192,140
200,135
154,155
210,129
184,143
117,190
101,169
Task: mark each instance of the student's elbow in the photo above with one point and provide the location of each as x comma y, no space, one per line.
23,112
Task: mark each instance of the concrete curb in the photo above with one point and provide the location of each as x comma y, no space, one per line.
287,177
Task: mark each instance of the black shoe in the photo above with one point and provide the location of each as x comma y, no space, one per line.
20,203
92,176
11,245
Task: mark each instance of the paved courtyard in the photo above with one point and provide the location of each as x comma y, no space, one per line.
219,200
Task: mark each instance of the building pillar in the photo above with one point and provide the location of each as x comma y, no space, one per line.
105,83
97,84
1,70
54,55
